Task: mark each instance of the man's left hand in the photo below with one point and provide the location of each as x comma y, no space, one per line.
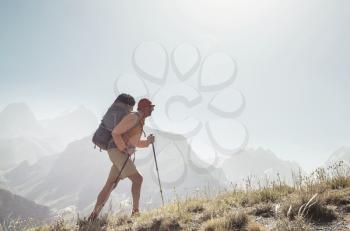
150,139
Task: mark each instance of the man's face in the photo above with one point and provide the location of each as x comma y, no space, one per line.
149,110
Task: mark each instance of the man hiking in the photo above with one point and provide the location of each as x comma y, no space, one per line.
126,135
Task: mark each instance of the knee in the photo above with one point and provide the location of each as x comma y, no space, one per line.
138,179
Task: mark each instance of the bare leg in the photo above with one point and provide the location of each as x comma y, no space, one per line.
105,192
136,180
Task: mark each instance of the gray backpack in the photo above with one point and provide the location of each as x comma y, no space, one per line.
103,134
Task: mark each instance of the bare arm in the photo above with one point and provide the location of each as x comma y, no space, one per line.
142,144
123,126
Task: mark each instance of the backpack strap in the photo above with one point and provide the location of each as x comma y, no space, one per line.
138,120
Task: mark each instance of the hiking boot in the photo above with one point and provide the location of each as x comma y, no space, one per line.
135,213
92,216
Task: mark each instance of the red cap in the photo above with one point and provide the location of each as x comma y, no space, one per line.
144,103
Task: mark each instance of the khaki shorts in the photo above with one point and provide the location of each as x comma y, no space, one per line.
118,159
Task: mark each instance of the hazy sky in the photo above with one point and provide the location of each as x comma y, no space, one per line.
293,60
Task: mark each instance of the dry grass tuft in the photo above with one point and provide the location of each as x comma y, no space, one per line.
194,206
346,209
161,224
309,208
231,221
338,198
99,224
263,210
115,222
298,224
253,226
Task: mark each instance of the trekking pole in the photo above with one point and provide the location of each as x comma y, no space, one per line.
114,184
116,180
160,186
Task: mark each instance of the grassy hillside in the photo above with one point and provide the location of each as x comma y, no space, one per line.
16,211
320,201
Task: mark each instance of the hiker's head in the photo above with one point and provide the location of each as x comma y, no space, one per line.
145,106
126,99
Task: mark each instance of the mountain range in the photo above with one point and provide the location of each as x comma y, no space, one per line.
53,163
258,163
24,138
13,207
341,154
75,176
